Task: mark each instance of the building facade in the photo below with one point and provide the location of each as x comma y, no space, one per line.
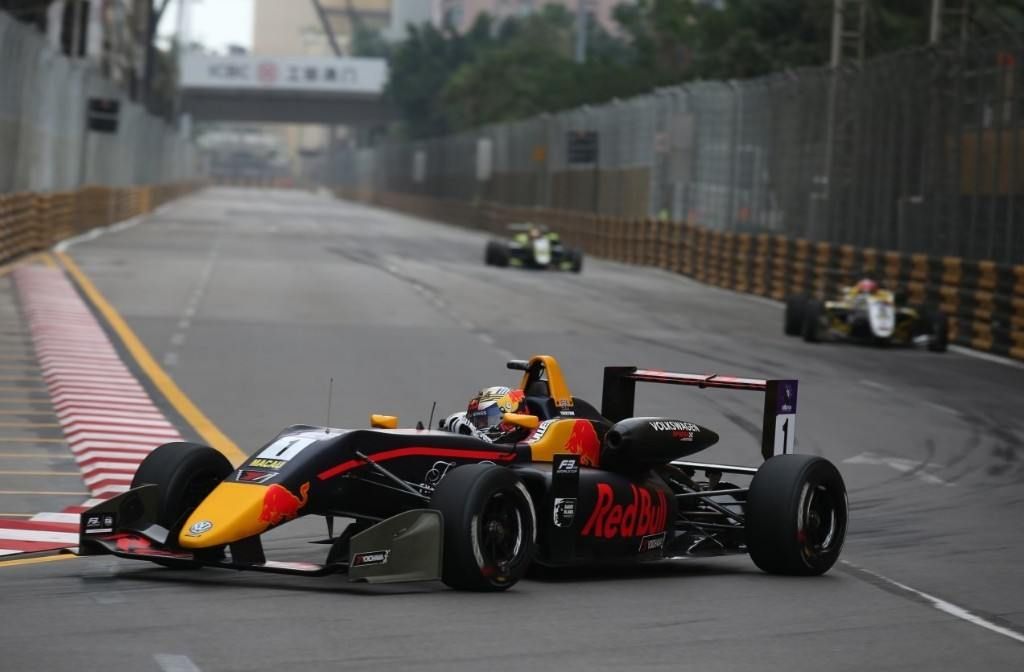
460,14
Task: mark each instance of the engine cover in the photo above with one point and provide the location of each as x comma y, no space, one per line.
646,442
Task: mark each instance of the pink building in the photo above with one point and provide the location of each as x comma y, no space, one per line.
460,14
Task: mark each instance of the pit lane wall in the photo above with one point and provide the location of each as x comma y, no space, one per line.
31,222
984,300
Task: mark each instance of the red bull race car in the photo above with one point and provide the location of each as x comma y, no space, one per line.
533,246
570,486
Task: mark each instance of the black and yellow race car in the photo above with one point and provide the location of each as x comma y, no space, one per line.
866,313
573,486
533,246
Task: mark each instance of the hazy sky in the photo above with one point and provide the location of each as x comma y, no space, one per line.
214,23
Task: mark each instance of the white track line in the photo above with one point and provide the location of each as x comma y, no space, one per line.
39,535
871,383
170,662
944,606
995,359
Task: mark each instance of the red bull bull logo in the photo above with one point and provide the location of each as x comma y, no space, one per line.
583,441
645,514
280,505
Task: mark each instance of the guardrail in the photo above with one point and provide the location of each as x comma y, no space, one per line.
984,300
35,222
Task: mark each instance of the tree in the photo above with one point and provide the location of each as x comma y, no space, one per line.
421,67
444,81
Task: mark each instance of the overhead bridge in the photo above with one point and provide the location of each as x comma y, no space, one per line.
308,90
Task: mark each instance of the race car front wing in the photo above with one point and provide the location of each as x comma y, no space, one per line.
404,547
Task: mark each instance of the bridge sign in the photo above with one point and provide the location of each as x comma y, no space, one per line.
310,74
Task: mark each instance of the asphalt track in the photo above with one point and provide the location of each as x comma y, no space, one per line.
253,300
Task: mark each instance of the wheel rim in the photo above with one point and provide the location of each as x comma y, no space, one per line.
819,527
500,532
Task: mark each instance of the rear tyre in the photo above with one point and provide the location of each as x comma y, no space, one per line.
794,320
489,527
184,473
796,515
810,329
938,329
496,254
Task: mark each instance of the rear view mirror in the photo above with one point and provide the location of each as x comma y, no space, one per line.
383,421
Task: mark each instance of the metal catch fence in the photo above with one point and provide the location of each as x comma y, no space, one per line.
44,144
920,152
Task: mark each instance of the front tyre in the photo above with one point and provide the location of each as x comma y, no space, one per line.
489,527
184,473
496,254
796,515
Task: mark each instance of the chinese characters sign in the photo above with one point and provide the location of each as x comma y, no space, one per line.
326,75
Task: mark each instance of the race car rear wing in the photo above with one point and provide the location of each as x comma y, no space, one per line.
778,427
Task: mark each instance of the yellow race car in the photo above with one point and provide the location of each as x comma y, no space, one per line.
533,246
866,313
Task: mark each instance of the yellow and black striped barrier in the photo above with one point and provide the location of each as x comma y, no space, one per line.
984,301
34,222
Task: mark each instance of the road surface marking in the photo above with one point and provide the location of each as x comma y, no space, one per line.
203,425
944,606
65,518
995,359
36,561
170,662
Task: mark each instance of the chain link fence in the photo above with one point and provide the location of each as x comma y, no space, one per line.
917,152
44,144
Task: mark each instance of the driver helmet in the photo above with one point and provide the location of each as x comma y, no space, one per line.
867,286
489,404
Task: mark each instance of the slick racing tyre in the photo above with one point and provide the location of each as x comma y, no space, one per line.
811,326
577,261
938,330
796,515
496,254
794,320
489,527
184,473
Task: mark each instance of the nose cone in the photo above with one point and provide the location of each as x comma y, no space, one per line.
230,513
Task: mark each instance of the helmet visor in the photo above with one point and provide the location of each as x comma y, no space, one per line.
486,417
